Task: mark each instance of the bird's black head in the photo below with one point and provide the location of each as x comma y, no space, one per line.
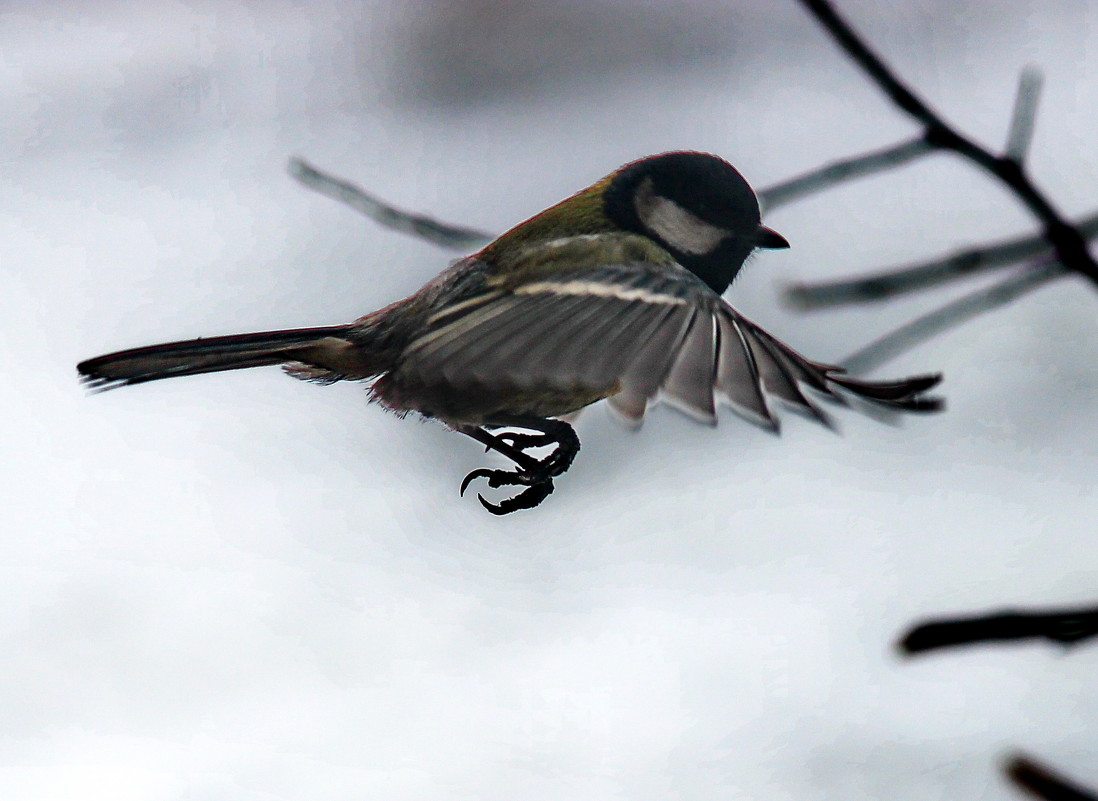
696,206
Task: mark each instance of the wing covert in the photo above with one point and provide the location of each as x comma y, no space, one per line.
590,328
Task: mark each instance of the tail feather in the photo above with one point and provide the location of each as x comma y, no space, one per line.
327,349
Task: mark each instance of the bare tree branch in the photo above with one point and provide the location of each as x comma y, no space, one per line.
897,281
823,178
1024,115
453,236
951,315
924,275
838,172
1067,242
1065,626
1043,782
445,235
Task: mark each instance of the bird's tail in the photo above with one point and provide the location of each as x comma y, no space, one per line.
324,353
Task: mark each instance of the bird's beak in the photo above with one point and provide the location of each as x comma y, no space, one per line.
770,239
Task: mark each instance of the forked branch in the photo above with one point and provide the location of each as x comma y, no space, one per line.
1066,240
1060,248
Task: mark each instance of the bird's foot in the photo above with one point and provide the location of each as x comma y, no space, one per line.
534,473
539,486
555,463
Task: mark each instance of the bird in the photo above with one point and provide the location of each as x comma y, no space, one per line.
614,293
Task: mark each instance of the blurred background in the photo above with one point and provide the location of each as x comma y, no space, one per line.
242,586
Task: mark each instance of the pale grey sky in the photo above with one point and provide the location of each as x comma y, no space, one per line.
241,586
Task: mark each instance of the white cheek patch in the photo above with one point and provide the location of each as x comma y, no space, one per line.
675,225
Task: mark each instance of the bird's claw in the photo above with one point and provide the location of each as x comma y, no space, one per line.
527,499
538,488
535,475
498,478
558,462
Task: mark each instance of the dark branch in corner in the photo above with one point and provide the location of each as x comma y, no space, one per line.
1067,627
1066,240
1042,782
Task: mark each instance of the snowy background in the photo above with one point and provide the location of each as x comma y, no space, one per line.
246,587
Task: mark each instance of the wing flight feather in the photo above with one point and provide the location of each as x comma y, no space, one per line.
638,332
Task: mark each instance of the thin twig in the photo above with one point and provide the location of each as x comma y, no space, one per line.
449,236
1069,244
1043,782
454,236
897,281
843,170
952,314
1065,626
1024,115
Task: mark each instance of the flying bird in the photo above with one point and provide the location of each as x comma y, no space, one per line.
612,293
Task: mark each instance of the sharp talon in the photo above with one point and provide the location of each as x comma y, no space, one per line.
537,489
498,478
527,499
480,472
495,509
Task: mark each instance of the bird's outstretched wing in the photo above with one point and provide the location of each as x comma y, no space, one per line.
635,332
725,359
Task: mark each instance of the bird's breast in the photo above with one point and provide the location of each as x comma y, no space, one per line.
475,403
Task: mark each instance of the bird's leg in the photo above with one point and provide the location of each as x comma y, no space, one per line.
534,474
549,431
529,473
526,441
